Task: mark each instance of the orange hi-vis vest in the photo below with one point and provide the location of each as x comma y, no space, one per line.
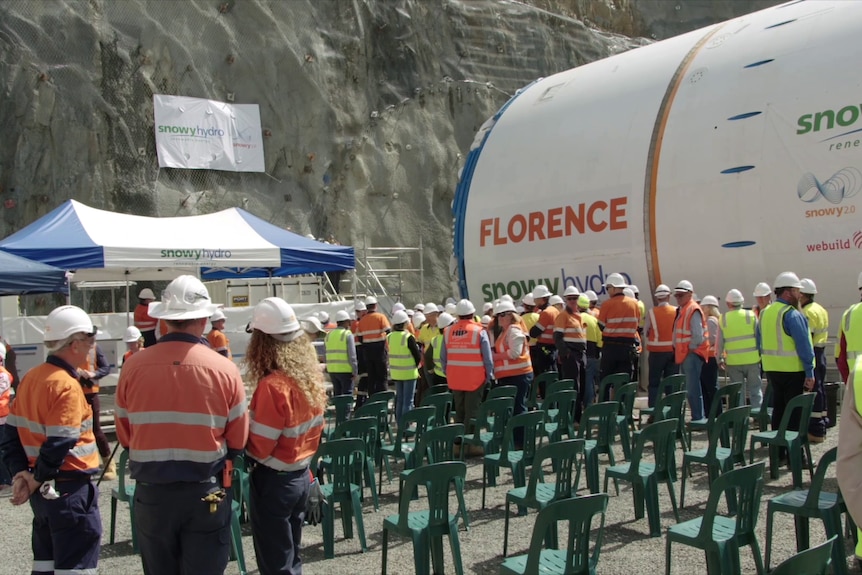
465,370
6,396
620,315
372,327
51,405
569,324
143,321
660,334
682,333
508,367
285,430
547,317
89,364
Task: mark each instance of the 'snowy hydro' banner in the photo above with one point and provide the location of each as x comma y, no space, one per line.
199,134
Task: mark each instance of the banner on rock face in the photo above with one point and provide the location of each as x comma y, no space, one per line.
199,134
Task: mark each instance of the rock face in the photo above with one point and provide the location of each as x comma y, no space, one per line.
367,106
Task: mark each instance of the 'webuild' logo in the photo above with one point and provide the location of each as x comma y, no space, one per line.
840,244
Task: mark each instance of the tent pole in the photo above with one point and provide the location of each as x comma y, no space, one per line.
127,300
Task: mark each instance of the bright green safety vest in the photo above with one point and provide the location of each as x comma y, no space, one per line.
851,327
402,366
436,348
778,351
818,323
335,344
737,327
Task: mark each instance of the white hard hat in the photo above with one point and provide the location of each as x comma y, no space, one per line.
132,334
400,316
445,320
410,312
486,320
451,309
555,300
762,290
450,300
503,307
431,307
684,285
592,295
217,316
709,300
519,309
529,300
311,325
734,296
419,319
615,280
184,298
487,306
541,290
146,293
275,317
398,307
419,307
66,321
808,286
627,292
635,289
661,290
359,305
464,307
371,300
787,280
2,352
507,297
323,316
341,315
571,291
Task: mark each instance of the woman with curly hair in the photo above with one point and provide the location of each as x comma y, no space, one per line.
286,423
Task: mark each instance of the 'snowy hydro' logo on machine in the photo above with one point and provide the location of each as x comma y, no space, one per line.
843,184
853,242
518,288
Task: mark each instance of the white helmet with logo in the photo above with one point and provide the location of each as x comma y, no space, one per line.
431,307
615,280
503,307
399,317
541,290
787,280
65,321
734,296
464,307
808,286
132,334
684,285
184,298
762,290
445,320
661,291
341,315
571,291
275,317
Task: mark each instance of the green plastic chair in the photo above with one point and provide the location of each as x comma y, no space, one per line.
343,488
489,425
813,503
814,561
644,476
565,457
731,392
672,406
670,384
719,459
721,537
545,379
559,385
610,383
364,428
340,405
559,414
124,491
380,411
423,417
502,391
576,559
601,417
241,485
427,528
237,553
626,396
515,459
443,403
389,397
763,414
439,388
793,441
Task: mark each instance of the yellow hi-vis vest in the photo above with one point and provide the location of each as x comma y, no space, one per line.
818,323
851,327
737,327
402,366
778,351
335,344
436,348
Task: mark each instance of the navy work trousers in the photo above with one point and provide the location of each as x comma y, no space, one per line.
277,509
177,533
67,530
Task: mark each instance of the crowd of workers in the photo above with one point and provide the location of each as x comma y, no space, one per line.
182,414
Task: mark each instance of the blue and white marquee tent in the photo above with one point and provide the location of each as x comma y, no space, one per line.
20,276
103,245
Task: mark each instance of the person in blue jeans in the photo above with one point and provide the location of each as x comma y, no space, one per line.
404,360
690,345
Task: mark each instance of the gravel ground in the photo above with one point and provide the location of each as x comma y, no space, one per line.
627,546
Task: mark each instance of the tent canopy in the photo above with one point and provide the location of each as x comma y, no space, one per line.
103,245
20,276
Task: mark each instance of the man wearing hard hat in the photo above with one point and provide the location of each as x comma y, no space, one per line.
762,297
544,355
570,337
143,320
818,325
216,337
736,348
373,328
690,345
340,351
619,317
849,345
658,332
182,463
49,447
785,348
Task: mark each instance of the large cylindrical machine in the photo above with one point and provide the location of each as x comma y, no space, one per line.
723,156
